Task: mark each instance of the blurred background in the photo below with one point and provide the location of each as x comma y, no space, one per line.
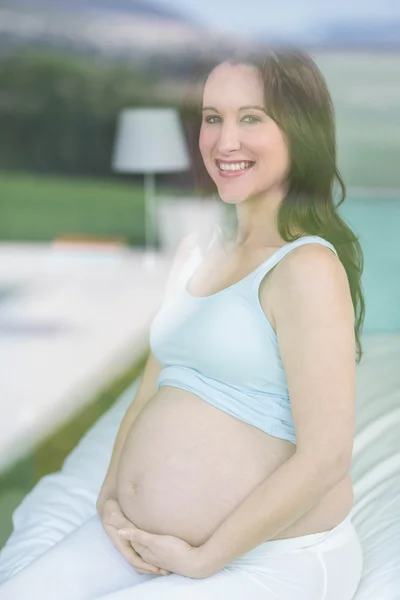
78,225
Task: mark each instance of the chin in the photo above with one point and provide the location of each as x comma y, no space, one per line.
230,198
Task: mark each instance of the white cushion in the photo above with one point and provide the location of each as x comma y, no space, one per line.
62,501
376,467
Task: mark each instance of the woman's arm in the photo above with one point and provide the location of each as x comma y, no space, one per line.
315,328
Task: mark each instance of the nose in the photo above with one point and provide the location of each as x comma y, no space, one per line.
228,140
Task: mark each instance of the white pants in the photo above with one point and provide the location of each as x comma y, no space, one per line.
86,566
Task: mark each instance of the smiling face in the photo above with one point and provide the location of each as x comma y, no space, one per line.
242,137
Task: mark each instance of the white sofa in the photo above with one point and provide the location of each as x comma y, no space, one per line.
62,501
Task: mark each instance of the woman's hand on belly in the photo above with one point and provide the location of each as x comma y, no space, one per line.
166,551
113,519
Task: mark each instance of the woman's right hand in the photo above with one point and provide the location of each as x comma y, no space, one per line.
112,519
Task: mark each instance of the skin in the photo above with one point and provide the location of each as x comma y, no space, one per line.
229,133
235,135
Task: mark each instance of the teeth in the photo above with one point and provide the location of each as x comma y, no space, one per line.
234,166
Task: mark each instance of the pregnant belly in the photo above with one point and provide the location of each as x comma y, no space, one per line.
186,465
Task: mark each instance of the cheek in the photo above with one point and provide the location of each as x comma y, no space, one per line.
274,152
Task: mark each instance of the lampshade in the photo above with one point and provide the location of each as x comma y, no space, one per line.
150,140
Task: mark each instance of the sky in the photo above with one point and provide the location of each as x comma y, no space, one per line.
252,17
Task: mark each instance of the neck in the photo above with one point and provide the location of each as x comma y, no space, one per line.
257,223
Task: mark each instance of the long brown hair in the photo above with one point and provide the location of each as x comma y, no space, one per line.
296,96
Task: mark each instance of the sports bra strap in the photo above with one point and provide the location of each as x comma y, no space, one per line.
277,256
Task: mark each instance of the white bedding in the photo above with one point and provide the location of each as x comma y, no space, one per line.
62,501
376,467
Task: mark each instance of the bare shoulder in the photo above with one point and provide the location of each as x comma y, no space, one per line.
310,263
311,277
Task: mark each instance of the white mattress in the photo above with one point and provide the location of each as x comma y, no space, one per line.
376,467
62,501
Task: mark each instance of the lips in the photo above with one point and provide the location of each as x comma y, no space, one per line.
226,173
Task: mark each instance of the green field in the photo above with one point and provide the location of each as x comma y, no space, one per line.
41,208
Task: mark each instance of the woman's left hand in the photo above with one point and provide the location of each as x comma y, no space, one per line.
165,551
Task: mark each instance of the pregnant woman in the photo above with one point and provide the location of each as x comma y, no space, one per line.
230,473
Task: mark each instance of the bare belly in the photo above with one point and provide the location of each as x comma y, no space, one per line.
186,465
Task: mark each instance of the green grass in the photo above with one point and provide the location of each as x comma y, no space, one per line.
41,208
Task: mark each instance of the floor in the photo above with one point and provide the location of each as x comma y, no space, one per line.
74,335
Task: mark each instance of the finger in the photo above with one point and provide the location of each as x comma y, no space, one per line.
147,573
137,562
113,516
139,548
130,555
139,540
135,535
125,548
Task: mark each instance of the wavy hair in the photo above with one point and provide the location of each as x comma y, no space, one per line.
296,96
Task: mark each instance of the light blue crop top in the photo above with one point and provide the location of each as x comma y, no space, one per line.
222,347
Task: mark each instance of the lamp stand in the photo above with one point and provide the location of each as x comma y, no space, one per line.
150,219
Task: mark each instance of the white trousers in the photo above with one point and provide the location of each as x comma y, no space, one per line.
86,566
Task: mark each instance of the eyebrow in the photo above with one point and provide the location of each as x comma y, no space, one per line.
241,108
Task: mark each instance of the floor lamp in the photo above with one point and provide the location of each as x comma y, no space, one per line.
150,140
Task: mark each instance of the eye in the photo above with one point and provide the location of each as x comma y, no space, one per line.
208,119
256,119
